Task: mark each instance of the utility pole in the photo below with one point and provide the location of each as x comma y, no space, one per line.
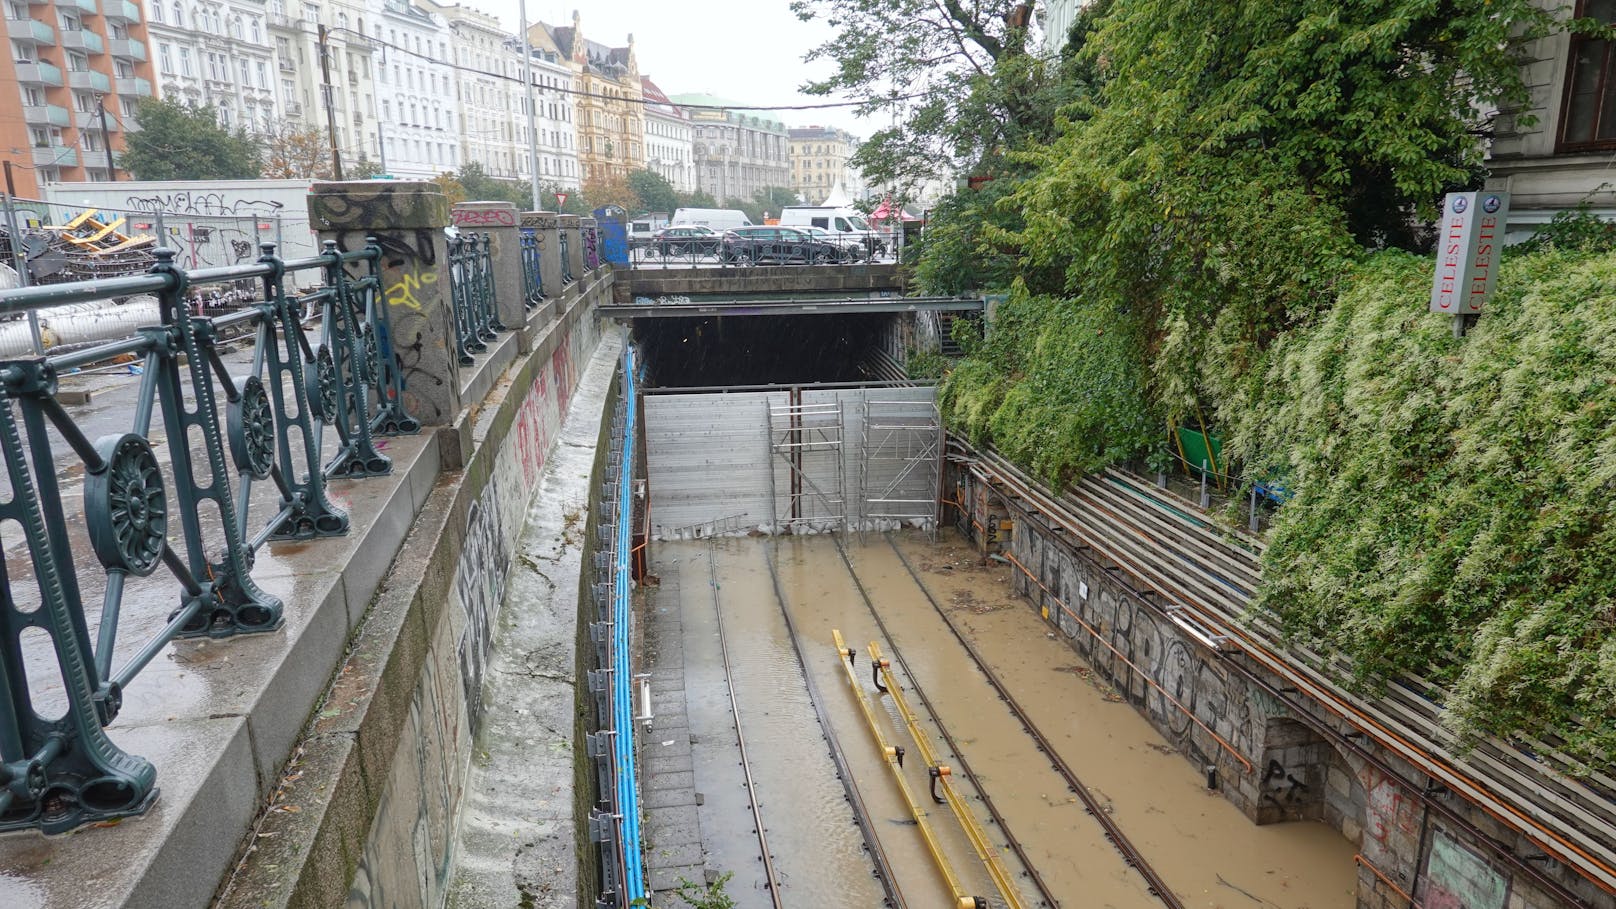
381,145
11,186
532,114
106,138
330,103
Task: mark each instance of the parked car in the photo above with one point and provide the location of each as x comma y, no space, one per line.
684,240
838,219
850,248
777,246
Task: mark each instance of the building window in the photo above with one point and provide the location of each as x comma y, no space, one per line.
1588,119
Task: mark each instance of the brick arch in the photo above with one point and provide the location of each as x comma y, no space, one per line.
1303,777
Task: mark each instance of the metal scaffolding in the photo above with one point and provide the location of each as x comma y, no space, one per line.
810,439
902,444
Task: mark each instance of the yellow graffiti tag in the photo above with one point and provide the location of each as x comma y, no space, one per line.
403,292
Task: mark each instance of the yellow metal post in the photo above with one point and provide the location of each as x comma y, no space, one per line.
973,830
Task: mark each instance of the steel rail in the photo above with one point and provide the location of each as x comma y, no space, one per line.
861,814
892,757
1113,831
1388,732
740,737
943,777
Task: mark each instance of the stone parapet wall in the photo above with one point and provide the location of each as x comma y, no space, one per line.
378,779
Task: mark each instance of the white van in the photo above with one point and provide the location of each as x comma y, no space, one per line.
718,219
840,220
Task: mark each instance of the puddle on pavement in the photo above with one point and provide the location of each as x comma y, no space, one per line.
1201,845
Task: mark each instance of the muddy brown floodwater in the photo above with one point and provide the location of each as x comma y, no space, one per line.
1206,850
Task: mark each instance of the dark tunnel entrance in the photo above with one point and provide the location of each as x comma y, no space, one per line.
762,350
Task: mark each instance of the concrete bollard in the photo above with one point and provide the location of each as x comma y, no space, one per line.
498,221
408,219
547,226
572,226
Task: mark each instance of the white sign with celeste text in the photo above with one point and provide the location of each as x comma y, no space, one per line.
1472,235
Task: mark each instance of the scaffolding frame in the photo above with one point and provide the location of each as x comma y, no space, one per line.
796,431
907,437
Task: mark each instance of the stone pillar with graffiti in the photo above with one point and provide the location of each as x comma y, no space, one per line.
546,225
572,226
498,221
408,219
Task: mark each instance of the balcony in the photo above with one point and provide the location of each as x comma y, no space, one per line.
86,7
127,49
294,109
121,11
45,115
39,73
56,156
91,80
286,66
289,23
84,40
31,31
138,87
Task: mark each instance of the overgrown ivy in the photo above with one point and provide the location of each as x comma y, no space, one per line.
1454,498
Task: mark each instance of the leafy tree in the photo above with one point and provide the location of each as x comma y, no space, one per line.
181,142
652,192
957,79
698,199
363,169
293,152
451,187
610,189
770,200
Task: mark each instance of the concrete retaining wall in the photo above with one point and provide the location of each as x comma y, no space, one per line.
1304,763
378,778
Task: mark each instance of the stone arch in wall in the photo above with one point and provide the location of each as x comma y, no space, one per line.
1305,778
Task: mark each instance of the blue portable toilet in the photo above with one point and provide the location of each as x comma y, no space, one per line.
613,223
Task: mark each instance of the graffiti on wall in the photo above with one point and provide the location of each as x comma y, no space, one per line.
409,853
1458,878
202,203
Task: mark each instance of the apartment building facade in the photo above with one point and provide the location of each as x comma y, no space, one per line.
216,55
667,138
352,29
819,164
609,116
736,153
70,61
417,129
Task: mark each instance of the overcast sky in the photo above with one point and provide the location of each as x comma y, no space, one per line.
748,50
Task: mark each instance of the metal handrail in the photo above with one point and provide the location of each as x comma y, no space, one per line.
567,277
532,268
471,278
60,773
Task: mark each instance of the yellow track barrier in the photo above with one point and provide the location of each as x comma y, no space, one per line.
893,758
942,775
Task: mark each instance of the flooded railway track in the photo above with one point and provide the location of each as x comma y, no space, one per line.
1130,853
772,879
1075,796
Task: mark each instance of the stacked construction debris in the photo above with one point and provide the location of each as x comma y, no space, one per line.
87,247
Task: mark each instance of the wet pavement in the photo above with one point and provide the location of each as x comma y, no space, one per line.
1207,851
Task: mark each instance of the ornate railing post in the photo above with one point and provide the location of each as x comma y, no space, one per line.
227,602
281,357
407,221
498,222
344,357
572,249
58,773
